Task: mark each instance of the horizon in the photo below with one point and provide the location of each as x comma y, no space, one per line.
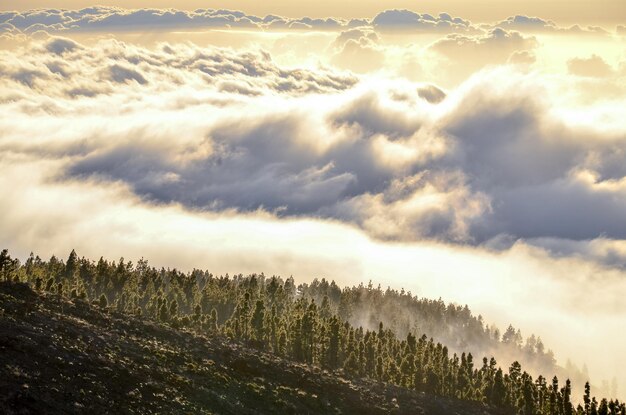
606,12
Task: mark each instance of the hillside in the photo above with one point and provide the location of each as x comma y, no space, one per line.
67,356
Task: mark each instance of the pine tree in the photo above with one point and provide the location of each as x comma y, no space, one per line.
308,332
554,397
407,369
325,312
50,284
164,314
528,398
8,266
173,312
274,324
213,320
351,365
71,265
282,343
333,343
603,409
102,301
498,397
380,368
257,322
197,314
242,315
568,409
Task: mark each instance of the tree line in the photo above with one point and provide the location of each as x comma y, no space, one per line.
312,324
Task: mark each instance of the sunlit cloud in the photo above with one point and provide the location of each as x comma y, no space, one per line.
401,160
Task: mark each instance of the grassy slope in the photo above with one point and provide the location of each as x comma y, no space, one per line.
58,356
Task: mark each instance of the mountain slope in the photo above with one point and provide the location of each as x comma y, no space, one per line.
60,356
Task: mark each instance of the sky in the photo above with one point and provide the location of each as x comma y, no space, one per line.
475,154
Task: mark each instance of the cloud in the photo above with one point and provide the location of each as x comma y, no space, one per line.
526,23
592,30
409,20
358,50
60,45
365,52
593,66
370,115
355,34
121,63
537,25
494,46
466,54
10,35
522,57
401,160
432,205
122,74
610,252
431,94
102,18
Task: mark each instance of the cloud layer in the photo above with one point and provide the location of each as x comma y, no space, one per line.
105,18
403,161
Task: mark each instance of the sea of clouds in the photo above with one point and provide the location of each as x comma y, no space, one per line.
506,191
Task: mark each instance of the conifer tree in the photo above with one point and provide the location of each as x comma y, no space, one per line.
333,342
173,311
50,284
164,314
257,322
102,301
587,398
211,323
71,265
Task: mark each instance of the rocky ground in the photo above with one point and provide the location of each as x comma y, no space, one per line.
61,356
